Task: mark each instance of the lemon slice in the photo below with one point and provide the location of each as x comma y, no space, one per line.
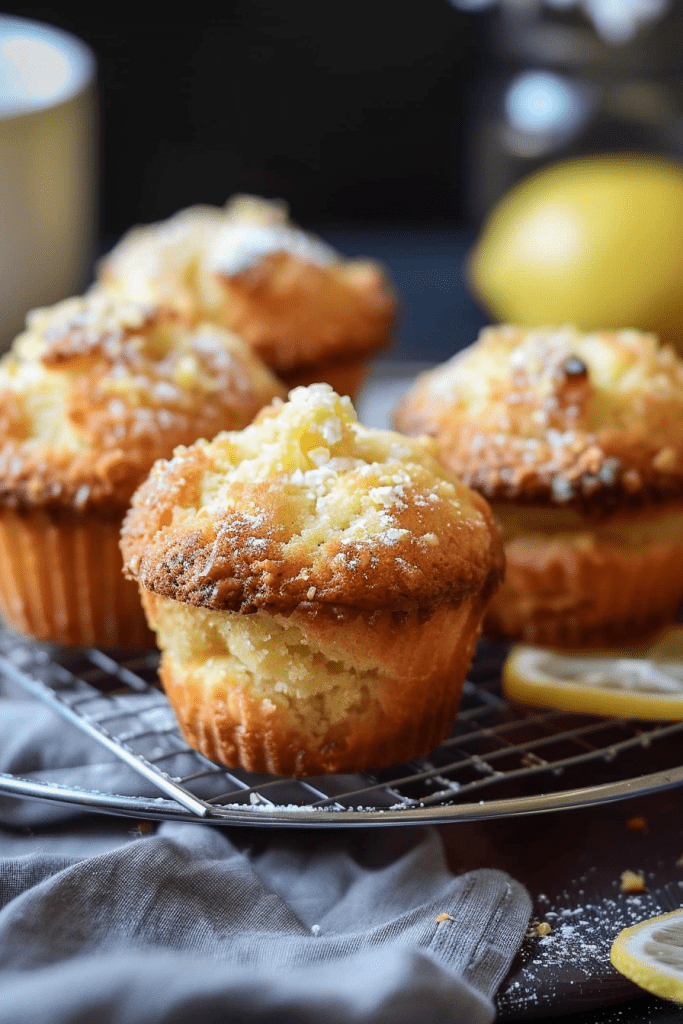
651,954
647,683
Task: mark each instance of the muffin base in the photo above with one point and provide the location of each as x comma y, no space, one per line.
362,693
577,590
61,580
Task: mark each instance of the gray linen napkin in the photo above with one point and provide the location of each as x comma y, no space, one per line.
196,923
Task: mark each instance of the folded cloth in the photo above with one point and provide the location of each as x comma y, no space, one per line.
196,923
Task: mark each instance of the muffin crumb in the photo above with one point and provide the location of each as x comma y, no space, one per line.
632,881
637,823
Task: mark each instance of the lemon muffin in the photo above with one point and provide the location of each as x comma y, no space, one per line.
577,441
91,394
316,587
309,314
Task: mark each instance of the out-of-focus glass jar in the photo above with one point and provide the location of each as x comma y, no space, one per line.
550,88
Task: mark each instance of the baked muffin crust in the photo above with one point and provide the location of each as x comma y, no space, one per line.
590,421
248,268
308,509
96,389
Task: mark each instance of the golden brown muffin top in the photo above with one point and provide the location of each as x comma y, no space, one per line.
96,389
591,420
307,508
247,267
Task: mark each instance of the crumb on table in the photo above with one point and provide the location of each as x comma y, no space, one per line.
632,881
637,824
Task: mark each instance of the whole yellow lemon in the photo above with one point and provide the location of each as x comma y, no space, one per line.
596,242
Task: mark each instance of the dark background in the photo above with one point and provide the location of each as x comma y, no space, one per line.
352,113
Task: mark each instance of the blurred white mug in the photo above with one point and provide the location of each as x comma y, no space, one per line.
48,168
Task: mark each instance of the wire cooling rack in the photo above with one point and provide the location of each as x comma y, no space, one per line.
500,759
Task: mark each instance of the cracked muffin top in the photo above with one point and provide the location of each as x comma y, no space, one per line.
306,508
592,421
247,267
96,389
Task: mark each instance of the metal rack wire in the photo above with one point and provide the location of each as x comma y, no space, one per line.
500,759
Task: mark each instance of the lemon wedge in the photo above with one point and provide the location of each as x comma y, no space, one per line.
635,683
651,954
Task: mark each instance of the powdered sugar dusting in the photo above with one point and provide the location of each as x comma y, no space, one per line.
532,410
239,245
568,944
343,479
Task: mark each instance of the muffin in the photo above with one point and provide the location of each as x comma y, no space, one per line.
316,588
91,394
309,314
577,441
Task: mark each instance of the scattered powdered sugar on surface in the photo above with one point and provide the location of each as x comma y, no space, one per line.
258,804
572,961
